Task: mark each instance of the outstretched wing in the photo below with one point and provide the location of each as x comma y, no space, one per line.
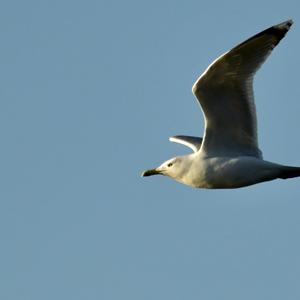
190,141
225,93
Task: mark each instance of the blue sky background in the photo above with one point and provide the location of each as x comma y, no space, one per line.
90,93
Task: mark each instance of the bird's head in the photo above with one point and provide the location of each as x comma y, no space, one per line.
175,168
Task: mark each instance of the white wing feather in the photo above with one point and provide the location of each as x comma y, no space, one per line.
225,94
190,141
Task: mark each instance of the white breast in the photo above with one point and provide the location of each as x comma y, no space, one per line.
223,172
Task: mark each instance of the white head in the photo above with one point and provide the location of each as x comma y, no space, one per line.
175,168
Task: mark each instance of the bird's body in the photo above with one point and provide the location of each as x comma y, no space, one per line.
227,172
228,156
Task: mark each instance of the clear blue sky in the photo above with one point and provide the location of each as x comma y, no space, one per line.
90,93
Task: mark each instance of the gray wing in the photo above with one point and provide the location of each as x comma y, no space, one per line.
190,141
225,93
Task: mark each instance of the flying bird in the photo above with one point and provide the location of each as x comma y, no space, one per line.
228,155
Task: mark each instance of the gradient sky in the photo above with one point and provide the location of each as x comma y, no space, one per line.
90,93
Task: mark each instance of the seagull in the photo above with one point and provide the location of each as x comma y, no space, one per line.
228,155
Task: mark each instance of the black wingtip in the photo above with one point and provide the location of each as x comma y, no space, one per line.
278,31
286,24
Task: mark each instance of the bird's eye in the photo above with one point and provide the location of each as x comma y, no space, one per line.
170,165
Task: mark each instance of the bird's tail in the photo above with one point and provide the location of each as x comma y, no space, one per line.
289,172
